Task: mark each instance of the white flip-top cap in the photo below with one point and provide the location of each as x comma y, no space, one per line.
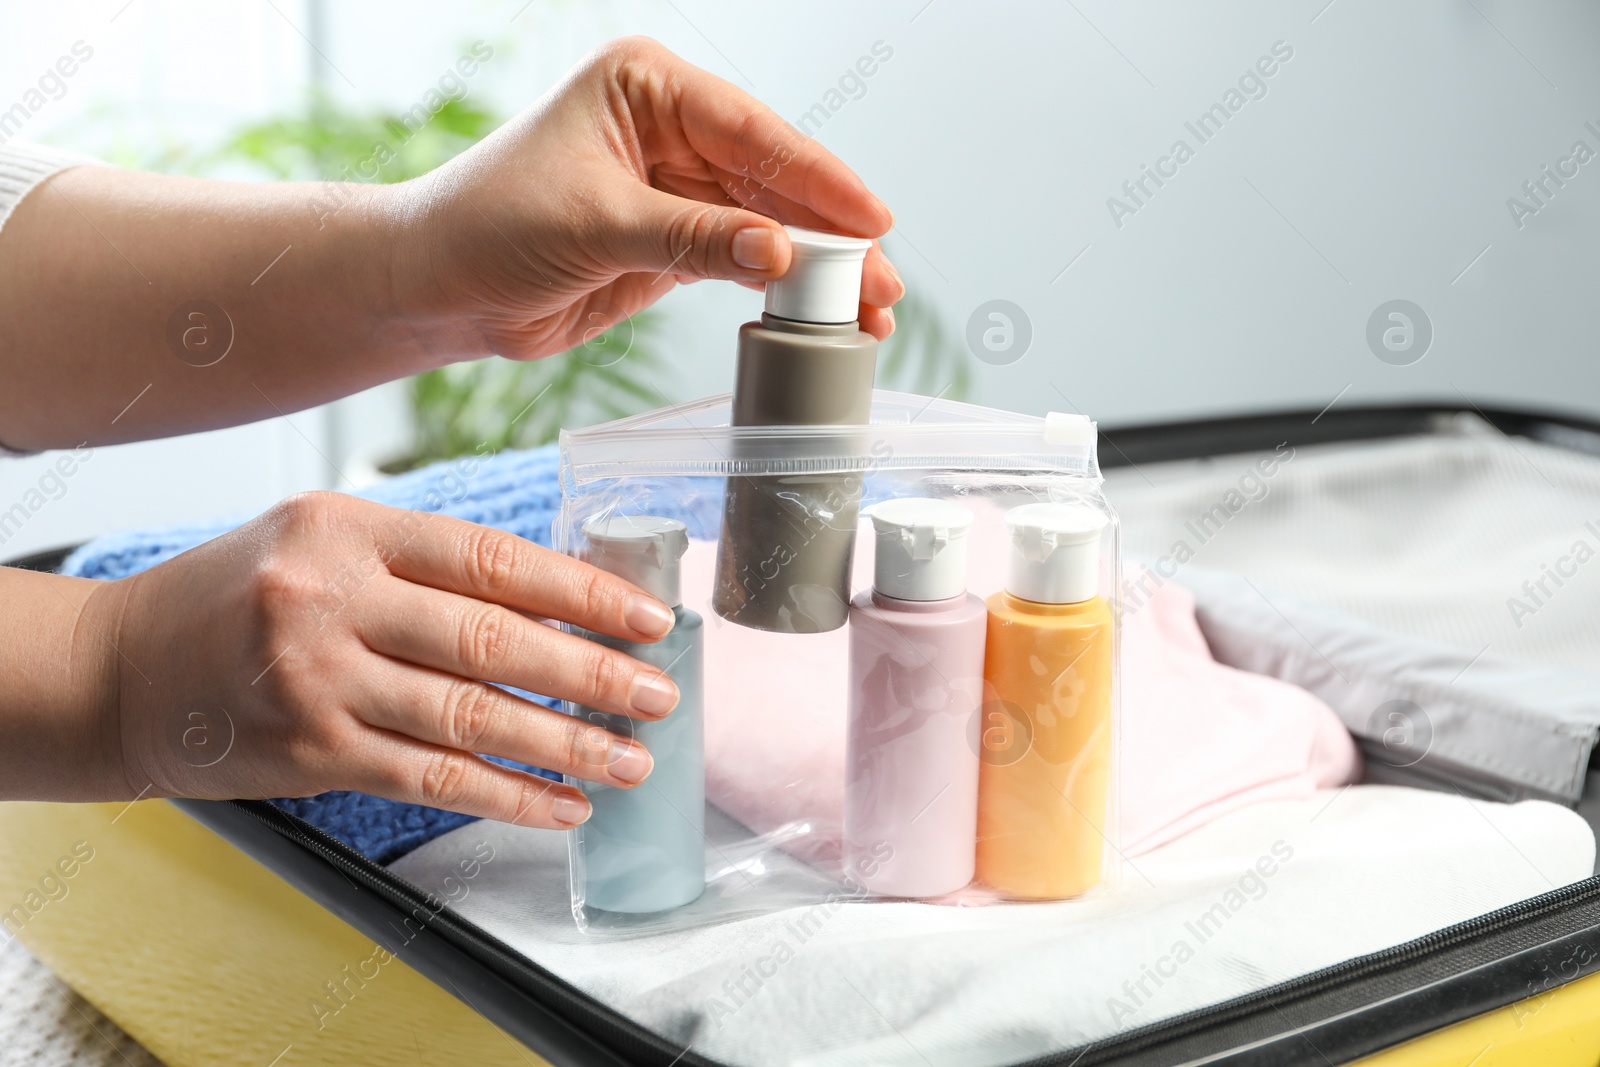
922,548
1055,552
823,283
643,549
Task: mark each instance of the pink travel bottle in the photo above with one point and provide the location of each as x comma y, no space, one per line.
916,682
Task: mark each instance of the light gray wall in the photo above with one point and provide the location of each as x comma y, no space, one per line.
1377,166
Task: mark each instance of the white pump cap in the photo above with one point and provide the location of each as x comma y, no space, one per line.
642,549
1055,552
823,283
922,548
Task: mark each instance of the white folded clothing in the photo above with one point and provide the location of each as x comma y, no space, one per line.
1259,896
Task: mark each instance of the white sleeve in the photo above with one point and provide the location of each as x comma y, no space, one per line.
23,166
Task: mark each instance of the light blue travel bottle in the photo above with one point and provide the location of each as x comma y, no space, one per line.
643,848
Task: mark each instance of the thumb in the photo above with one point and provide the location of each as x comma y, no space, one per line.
658,232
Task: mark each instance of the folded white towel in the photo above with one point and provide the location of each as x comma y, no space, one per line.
1259,896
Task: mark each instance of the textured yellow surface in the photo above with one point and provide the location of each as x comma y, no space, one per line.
1557,1027
205,957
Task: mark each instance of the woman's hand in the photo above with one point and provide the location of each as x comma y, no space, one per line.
637,172
334,643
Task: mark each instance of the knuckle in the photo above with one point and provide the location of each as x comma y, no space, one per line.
468,713
587,746
308,748
749,132
316,735
303,512
531,794
635,45
599,673
594,593
487,637
281,587
493,561
445,779
631,49
295,571
692,235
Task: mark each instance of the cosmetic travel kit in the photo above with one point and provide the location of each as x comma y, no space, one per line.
927,578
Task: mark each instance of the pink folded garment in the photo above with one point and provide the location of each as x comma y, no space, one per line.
1198,739
1201,739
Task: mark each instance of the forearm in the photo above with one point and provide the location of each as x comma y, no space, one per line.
58,662
102,272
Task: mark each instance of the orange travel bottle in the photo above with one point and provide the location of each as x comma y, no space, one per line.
1045,779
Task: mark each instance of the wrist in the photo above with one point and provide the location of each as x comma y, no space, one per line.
98,668
412,254
59,721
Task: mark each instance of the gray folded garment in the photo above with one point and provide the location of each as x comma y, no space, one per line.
1425,713
1440,592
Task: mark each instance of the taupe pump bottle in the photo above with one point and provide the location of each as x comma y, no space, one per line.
784,560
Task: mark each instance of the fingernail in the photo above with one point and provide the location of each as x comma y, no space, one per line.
755,248
647,615
652,693
569,810
629,762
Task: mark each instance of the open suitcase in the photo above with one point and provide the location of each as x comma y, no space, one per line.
211,931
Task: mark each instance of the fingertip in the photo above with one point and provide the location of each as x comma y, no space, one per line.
900,283
881,284
653,694
881,218
761,247
879,322
569,809
631,764
647,616
887,216
754,248
780,264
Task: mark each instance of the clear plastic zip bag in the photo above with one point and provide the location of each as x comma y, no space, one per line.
897,650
